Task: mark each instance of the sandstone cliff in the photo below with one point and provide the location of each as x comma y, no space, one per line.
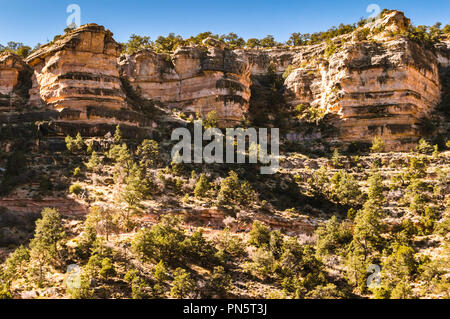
372,82
193,79
78,71
370,88
14,82
78,75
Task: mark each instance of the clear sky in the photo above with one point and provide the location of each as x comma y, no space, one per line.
33,21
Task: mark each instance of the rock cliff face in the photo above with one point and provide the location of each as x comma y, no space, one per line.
14,81
370,88
193,79
377,84
78,72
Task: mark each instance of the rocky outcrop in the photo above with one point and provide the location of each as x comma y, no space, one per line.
193,79
78,72
14,81
372,82
370,88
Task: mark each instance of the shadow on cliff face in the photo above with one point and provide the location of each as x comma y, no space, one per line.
15,172
267,106
436,128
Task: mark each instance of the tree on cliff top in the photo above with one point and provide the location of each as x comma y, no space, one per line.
16,47
446,29
137,43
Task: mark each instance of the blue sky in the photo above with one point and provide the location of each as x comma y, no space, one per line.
33,21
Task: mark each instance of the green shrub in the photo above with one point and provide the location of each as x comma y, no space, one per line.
16,264
309,114
83,290
202,187
183,285
107,269
44,247
344,188
263,263
402,291
211,120
330,49
164,241
220,282
230,246
336,159
233,191
377,145
76,172
94,163
75,145
148,153
398,266
118,135
259,235
288,71
332,236
424,147
161,273
75,189
199,249
5,293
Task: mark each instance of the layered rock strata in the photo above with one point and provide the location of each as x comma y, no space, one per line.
78,72
366,84
370,88
14,81
193,79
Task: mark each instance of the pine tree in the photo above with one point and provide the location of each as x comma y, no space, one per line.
148,153
336,159
182,285
161,272
376,189
44,246
94,162
118,135
377,145
202,187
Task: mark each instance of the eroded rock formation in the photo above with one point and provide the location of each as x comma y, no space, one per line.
14,81
371,88
78,71
193,79
366,84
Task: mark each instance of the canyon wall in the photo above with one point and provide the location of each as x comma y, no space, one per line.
78,76
193,79
77,71
14,82
370,88
380,84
